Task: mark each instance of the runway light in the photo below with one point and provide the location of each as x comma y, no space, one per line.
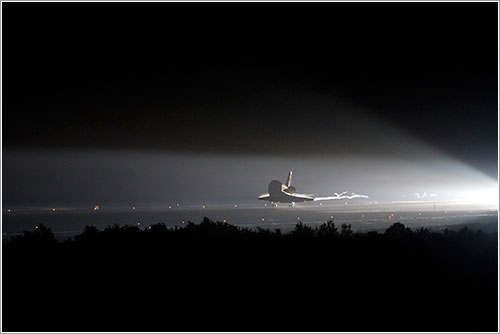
183,221
224,221
320,203
36,227
170,207
420,213
331,217
203,206
177,204
362,216
298,217
54,210
392,214
262,220
235,206
345,203
96,207
138,223
390,217
133,208
9,210
484,195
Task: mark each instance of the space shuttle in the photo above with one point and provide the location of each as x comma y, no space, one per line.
284,193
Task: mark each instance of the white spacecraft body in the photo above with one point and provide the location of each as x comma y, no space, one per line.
284,193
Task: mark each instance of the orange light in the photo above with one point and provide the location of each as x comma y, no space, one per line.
390,217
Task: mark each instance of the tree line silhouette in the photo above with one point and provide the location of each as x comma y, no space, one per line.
215,276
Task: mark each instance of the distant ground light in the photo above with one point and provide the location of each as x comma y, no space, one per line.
72,221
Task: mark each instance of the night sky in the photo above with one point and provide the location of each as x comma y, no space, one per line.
267,79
